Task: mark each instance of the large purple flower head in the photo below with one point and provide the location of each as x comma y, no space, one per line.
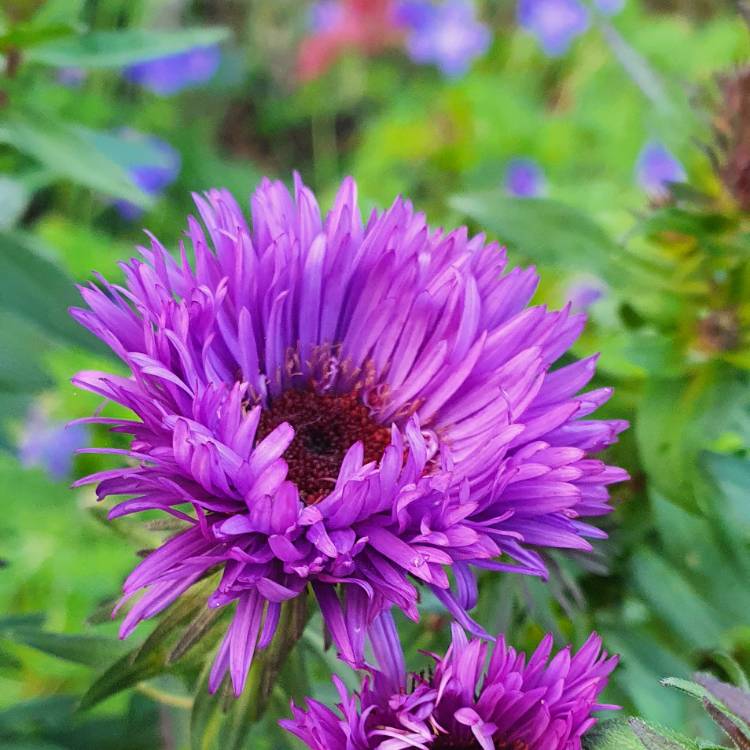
447,35
171,74
554,23
511,704
348,406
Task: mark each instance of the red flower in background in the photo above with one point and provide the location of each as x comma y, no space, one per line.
339,26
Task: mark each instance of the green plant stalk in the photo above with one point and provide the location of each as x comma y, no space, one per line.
268,664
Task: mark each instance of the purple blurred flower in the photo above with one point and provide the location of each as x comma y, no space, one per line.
447,35
584,292
50,444
554,23
656,168
326,15
153,179
610,7
463,701
524,178
343,405
71,77
171,74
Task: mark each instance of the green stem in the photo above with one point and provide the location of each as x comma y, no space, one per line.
268,664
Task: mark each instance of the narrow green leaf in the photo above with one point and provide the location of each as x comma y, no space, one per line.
35,288
115,49
66,150
14,197
674,599
90,650
543,230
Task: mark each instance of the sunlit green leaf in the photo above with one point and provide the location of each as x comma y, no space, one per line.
62,148
114,49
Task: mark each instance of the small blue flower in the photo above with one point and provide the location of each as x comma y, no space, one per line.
554,23
524,178
153,179
325,15
49,444
610,7
71,77
656,168
446,35
171,74
584,291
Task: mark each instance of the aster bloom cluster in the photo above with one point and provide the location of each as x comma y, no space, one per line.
510,704
171,74
349,406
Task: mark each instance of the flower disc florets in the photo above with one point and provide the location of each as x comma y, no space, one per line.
352,407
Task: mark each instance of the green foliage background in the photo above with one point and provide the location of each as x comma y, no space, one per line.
667,591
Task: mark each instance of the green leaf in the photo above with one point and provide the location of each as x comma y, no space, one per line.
678,418
634,734
732,475
14,197
221,722
672,597
545,231
36,289
67,151
90,650
657,739
727,705
152,656
25,35
115,49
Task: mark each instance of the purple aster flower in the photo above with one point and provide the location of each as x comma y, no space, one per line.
554,23
50,444
447,35
656,168
171,74
464,702
610,7
351,407
153,179
524,178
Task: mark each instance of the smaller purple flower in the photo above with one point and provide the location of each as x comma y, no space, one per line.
71,77
524,178
153,179
656,168
609,7
49,444
585,291
464,701
554,23
446,35
171,74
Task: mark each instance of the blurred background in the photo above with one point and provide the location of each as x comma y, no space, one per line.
605,141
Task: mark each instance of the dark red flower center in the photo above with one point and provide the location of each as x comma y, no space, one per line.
325,426
445,742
